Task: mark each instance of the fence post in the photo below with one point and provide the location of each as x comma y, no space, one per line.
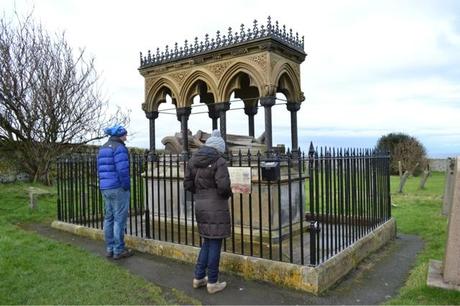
313,223
387,172
146,187
59,193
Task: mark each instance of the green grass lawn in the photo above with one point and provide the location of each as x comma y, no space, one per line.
418,212
37,270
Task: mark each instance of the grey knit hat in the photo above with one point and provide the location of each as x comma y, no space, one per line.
216,141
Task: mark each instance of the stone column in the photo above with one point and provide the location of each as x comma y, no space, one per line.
293,107
152,116
222,108
446,274
250,110
214,115
451,271
267,103
183,115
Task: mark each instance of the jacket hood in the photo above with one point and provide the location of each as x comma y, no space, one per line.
204,157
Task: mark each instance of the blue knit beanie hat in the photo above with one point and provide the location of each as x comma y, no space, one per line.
216,141
116,130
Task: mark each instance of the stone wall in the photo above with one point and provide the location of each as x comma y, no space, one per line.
10,172
438,164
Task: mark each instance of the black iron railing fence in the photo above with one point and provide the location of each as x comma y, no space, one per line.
321,202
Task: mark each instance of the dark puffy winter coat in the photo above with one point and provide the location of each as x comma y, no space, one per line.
113,165
207,177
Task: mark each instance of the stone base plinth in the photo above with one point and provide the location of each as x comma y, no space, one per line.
302,277
435,278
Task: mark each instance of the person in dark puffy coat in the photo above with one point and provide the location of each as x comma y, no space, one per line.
207,177
114,182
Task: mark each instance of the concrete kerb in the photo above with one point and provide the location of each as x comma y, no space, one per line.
310,279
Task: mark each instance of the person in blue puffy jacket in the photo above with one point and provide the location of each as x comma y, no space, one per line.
114,182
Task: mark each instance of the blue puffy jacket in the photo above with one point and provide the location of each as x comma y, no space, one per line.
113,165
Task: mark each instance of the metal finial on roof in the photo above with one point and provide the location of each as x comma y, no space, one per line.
243,35
248,33
206,40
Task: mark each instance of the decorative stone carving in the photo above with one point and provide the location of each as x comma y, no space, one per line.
149,82
240,51
179,77
219,69
197,60
260,60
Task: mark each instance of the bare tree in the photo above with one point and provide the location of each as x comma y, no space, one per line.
412,155
405,151
50,100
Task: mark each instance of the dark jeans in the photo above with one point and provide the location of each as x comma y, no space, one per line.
209,258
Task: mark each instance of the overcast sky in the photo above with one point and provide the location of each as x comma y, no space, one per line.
373,67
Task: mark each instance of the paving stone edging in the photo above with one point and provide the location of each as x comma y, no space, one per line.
311,279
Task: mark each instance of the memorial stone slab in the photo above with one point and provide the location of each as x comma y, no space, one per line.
447,274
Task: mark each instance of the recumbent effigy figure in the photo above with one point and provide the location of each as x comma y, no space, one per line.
173,144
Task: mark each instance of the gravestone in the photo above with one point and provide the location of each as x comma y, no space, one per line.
447,274
34,193
448,187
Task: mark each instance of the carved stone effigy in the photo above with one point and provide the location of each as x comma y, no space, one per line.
173,144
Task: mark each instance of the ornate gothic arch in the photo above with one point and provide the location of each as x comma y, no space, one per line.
287,82
158,92
189,88
229,81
